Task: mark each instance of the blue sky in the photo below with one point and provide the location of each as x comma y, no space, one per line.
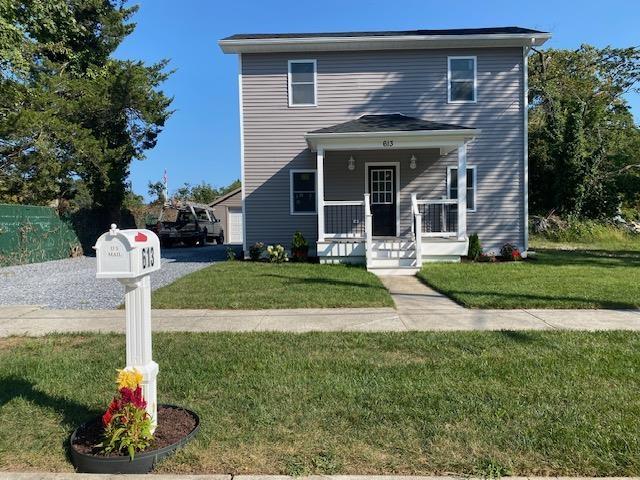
201,141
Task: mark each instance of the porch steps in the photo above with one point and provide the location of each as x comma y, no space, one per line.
396,256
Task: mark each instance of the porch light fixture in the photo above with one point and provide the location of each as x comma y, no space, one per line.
351,165
412,163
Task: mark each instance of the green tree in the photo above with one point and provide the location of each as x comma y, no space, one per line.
68,110
204,193
582,137
156,192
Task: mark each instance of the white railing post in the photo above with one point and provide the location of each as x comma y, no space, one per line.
462,192
368,229
320,182
417,229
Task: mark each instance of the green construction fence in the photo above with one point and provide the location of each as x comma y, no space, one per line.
31,233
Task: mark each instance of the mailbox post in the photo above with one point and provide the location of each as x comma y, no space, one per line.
130,256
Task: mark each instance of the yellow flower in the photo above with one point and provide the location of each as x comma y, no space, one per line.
129,379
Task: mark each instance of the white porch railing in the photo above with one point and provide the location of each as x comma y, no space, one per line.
416,227
368,229
344,219
439,218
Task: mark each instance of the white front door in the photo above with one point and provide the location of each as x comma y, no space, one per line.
235,225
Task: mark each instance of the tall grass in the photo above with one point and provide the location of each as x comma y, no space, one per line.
586,234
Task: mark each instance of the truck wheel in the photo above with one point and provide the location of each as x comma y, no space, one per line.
220,239
203,239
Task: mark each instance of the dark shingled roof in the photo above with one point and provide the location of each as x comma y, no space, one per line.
394,122
398,33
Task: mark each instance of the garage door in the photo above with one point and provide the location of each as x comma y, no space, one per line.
235,225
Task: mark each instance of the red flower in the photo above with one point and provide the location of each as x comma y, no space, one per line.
133,397
106,418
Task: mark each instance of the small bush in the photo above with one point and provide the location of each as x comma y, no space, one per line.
231,254
299,247
487,258
276,254
475,249
255,251
510,253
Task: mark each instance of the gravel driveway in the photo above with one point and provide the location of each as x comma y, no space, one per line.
71,282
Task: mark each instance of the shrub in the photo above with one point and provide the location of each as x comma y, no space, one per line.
127,425
299,247
510,253
276,253
475,249
231,254
255,251
487,258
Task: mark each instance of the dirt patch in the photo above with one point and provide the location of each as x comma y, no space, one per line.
173,425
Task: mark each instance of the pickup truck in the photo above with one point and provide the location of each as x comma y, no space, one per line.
190,223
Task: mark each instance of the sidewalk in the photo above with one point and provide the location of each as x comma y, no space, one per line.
35,321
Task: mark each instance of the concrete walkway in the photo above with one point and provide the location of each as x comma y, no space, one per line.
410,294
35,321
81,476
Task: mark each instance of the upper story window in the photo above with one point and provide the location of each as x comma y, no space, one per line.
302,83
462,79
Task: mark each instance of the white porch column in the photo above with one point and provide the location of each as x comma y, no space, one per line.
320,194
462,192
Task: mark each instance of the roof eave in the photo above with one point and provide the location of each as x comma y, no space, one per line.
307,44
432,138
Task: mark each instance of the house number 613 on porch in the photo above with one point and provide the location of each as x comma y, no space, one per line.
387,143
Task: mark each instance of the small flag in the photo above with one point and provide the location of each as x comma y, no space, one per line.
140,237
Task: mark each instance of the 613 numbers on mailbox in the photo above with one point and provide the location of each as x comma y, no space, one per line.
148,257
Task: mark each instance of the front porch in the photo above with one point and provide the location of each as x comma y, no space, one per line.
383,192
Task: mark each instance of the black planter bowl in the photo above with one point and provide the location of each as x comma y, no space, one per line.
143,462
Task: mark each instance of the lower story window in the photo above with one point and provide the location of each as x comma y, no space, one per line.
452,186
303,192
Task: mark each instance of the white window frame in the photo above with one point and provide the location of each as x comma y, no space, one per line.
291,203
475,78
315,83
475,185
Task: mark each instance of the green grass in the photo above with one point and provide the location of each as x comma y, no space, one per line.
253,285
555,279
525,403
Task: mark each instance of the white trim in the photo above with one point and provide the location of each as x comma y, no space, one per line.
315,83
397,174
475,184
320,193
243,193
475,78
338,203
401,139
323,43
302,170
525,180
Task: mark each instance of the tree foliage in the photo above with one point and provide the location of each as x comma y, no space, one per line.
583,143
71,114
201,193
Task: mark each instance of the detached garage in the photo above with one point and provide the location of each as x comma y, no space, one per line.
228,209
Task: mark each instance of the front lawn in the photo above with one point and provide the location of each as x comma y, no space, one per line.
254,285
555,279
525,403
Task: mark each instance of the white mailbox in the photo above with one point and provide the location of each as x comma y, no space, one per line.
130,256
127,253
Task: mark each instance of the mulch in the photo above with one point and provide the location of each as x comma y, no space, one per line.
174,424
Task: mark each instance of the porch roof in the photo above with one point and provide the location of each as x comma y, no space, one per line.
389,131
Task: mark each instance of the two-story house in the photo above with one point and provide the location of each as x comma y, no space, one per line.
386,148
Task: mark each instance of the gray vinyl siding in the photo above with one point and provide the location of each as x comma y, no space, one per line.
411,82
